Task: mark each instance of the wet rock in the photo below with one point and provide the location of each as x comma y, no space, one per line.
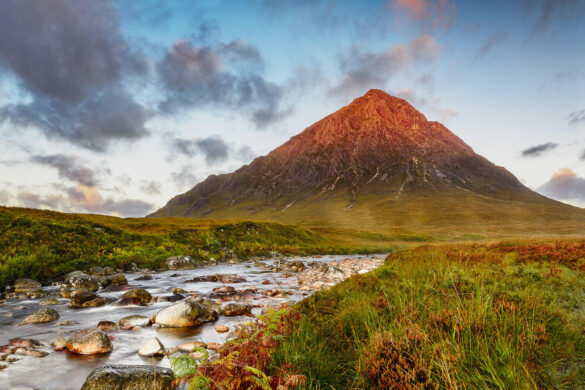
25,286
66,323
41,316
179,290
107,326
7,349
30,352
116,280
213,346
222,329
136,296
236,309
223,278
122,377
168,298
191,346
184,314
266,282
144,277
90,341
225,290
153,347
49,301
294,266
28,343
134,320
60,344
76,281
109,271
82,298
97,271
180,262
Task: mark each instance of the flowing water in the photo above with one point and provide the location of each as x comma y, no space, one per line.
65,370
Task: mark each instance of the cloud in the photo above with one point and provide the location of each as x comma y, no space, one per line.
68,167
4,197
151,187
551,12
538,150
435,14
583,156
196,76
446,114
565,185
214,148
86,199
73,60
365,70
492,41
576,118
184,178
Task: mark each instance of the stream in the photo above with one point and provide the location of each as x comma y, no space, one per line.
65,370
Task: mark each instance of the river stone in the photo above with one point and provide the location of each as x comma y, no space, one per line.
86,299
97,271
191,346
180,262
60,344
109,271
168,298
136,296
236,309
134,320
183,314
76,281
107,326
90,341
114,280
28,343
211,306
222,329
153,347
49,301
24,286
122,377
41,316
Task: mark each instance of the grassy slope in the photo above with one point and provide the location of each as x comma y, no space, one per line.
454,316
45,245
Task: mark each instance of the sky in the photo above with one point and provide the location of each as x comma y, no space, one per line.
114,107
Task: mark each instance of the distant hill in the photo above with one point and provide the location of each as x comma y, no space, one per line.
378,164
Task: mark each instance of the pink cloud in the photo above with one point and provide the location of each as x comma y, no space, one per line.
434,13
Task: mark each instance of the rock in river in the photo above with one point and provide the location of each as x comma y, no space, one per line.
183,314
135,296
236,309
41,315
153,347
86,299
25,286
76,281
107,326
121,377
49,301
180,262
113,280
90,341
134,320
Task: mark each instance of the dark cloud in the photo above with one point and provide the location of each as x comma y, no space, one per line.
214,148
490,43
576,118
68,167
85,200
564,185
196,76
538,150
432,14
184,178
363,70
151,187
555,12
72,58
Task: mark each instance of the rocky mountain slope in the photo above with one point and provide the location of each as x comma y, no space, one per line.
376,158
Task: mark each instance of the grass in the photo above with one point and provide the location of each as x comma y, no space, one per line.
506,315
45,245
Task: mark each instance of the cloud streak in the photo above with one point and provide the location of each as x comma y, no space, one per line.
564,185
68,167
538,150
576,118
490,43
435,14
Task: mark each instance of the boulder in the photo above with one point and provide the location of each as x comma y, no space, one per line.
107,326
222,329
28,343
76,281
60,344
209,305
49,301
180,262
90,341
168,298
213,346
191,346
114,280
135,296
26,286
86,299
134,320
236,309
153,347
97,271
41,316
122,377
109,271
184,314
144,277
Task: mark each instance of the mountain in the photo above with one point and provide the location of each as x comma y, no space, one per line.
376,163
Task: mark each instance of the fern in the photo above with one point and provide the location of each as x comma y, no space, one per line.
258,377
184,366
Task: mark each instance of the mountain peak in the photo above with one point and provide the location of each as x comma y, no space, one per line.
377,144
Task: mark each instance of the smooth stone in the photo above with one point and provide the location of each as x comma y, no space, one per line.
114,280
236,309
183,314
180,262
90,341
60,344
222,329
86,299
213,346
24,285
41,316
134,320
191,346
66,323
153,347
28,343
142,296
123,377
78,280
107,326
30,352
